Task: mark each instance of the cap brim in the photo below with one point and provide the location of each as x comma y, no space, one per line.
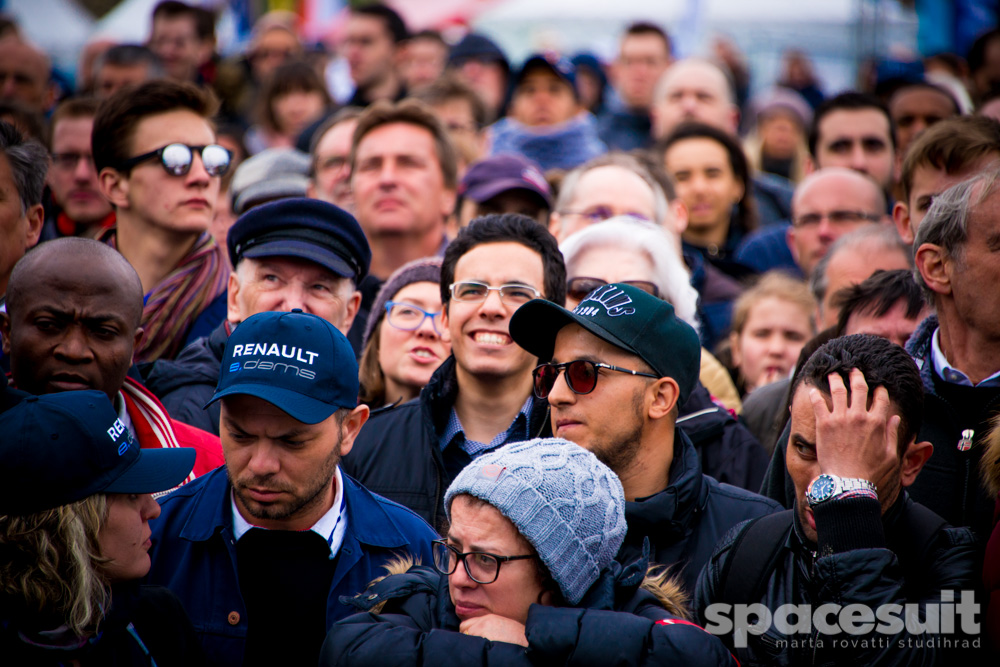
155,470
535,324
303,250
303,408
493,188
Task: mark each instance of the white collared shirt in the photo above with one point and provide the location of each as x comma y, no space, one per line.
949,373
331,526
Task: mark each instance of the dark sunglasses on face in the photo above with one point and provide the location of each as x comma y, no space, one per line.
581,376
578,288
176,159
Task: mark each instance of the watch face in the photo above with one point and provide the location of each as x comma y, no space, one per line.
822,488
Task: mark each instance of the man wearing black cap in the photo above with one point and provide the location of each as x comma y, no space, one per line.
261,550
292,253
504,184
621,362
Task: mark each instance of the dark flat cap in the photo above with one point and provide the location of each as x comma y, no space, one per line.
305,228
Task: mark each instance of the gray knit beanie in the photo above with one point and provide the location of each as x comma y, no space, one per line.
418,271
569,505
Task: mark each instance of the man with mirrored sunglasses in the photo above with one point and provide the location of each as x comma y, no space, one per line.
481,396
159,166
620,363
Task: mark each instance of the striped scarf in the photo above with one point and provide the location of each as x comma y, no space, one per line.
173,305
150,420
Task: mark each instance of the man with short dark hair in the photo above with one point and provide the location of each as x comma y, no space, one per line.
290,254
23,165
261,550
854,538
644,54
916,106
404,175
375,37
159,166
183,37
125,65
77,207
943,156
72,322
462,111
855,130
480,397
423,61
614,389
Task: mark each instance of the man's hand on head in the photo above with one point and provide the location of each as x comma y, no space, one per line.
854,440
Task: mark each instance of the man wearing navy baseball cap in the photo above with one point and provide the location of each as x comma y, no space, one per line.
618,366
291,253
261,550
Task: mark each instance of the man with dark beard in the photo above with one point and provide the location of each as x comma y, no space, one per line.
280,533
621,362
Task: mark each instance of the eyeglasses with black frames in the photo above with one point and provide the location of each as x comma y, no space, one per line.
482,567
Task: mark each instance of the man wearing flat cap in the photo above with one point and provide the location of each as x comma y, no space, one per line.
291,253
620,363
260,550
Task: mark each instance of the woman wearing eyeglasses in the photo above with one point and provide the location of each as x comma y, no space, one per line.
526,575
403,337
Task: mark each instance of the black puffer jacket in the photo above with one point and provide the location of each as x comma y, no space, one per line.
397,454
684,522
616,623
185,384
857,564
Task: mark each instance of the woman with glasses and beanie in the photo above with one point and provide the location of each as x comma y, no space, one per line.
75,508
526,575
403,343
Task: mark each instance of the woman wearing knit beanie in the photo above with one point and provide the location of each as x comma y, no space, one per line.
526,575
403,343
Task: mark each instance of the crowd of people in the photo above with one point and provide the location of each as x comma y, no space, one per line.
481,362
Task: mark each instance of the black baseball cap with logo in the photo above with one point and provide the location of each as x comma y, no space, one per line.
626,317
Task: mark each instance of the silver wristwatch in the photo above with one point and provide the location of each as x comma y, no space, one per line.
826,486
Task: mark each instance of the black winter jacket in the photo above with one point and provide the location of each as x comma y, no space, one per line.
728,451
147,625
857,563
615,624
185,384
684,522
397,454
949,483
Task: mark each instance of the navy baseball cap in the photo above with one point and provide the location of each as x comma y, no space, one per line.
624,316
298,362
305,228
561,67
488,178
60,448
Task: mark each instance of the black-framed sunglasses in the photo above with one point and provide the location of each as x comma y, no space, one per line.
581,376
482,567
578,288
177,159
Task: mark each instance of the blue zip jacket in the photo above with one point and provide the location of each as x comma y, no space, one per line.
194,555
